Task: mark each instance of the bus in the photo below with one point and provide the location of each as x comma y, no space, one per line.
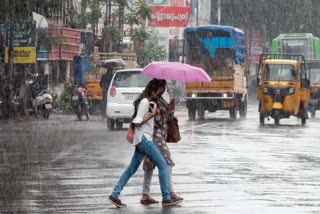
305,44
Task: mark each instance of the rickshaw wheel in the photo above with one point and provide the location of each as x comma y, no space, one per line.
261,118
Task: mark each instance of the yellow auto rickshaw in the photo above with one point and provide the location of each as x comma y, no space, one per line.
283,87
314,103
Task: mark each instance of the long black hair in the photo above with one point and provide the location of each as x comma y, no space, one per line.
153,86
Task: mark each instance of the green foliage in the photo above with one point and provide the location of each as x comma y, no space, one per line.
65,101
94,13
113,32
48,41
150,50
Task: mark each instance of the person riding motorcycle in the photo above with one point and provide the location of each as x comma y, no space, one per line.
80,102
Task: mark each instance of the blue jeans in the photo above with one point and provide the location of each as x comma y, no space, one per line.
149,149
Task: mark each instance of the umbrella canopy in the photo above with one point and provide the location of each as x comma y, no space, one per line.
176,71
111,62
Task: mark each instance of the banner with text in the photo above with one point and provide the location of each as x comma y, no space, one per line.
163,16
22,55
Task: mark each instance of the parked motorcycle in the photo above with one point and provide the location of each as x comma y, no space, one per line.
40,99
80,102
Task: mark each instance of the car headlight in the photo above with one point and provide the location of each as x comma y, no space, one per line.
291,90
265,90
224,95
194,95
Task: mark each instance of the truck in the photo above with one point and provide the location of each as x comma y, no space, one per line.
92,79
220,51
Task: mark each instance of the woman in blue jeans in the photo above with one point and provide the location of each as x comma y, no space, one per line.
143,123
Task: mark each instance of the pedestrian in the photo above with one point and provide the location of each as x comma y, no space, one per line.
143,124
104,84
164,113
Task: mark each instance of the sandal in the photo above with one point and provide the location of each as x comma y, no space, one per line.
148,201
176,197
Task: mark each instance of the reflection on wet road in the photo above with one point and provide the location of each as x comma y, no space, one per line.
65,166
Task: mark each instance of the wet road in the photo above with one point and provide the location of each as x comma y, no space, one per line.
65,166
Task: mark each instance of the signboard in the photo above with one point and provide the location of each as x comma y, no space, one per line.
163,16
22,55
21,36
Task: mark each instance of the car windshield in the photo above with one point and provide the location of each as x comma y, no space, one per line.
130,79
279,72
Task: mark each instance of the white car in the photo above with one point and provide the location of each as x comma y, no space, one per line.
125,87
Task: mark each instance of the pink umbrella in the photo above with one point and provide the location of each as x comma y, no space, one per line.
176,71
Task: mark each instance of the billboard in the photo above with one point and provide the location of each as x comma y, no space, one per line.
21,36
163,16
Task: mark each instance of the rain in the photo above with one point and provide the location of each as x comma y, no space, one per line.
244,76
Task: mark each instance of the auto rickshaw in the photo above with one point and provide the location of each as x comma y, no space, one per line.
283,87
314,103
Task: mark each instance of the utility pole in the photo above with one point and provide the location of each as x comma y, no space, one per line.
83,13
219,12
197,17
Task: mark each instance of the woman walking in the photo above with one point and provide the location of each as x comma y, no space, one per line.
164,113
143,122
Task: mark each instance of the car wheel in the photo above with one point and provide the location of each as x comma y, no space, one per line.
110,124
119,125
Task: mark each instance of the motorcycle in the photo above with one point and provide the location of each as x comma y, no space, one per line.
80,102
41,100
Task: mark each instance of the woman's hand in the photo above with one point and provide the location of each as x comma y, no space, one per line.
153,107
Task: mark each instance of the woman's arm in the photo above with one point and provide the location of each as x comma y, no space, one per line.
143,114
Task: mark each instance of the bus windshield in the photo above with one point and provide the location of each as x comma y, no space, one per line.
298,46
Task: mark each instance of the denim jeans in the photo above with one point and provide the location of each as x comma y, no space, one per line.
149,149
148,177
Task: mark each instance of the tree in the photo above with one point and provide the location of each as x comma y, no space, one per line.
139,13
150,50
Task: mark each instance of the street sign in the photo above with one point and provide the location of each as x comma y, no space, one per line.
21,36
